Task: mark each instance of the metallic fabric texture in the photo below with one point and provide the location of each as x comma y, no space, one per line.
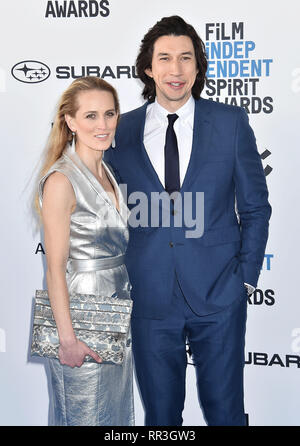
93,394
101,322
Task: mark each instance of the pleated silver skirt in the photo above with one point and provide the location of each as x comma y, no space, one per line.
93,394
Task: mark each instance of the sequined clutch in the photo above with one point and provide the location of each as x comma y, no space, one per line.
101,322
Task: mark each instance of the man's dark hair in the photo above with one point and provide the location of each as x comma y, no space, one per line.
170,26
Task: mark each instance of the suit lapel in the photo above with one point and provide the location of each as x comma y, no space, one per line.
201,139
143,157
200,146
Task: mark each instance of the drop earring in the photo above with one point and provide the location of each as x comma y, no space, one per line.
113,144
72,145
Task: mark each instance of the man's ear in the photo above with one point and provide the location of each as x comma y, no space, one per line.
148,71
70,124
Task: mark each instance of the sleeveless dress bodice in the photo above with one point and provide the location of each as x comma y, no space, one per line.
97,231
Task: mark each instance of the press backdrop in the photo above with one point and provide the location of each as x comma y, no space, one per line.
254,62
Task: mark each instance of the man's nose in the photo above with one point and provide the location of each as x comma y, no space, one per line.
175,68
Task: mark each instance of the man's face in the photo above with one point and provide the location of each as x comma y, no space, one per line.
174,70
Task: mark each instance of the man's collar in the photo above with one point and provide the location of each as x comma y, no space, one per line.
186,112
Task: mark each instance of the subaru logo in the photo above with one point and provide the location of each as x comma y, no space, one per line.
30,71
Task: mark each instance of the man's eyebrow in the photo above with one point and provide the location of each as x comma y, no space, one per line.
181,54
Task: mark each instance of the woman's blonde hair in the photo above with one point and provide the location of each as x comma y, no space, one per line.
60,134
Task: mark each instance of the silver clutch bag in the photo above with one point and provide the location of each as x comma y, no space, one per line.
99,321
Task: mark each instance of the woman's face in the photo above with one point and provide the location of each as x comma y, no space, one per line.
95,120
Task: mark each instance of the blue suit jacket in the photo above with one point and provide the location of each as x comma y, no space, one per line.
226,166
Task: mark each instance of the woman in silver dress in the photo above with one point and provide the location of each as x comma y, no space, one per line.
85,227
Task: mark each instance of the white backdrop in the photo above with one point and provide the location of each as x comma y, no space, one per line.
266,80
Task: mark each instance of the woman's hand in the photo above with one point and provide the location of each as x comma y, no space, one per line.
73,353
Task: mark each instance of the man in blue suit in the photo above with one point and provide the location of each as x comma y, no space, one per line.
189,287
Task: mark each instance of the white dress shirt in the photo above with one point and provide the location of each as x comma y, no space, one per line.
155,136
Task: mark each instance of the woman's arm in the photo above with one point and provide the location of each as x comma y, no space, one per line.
58,203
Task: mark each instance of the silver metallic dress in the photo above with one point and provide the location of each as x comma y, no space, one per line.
93,394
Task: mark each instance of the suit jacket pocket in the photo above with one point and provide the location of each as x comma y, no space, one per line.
221,236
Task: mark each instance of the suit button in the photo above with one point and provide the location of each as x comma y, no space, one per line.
171,244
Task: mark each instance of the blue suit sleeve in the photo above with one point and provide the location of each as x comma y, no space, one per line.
252,200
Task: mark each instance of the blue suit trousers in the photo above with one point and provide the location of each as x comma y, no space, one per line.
217,344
